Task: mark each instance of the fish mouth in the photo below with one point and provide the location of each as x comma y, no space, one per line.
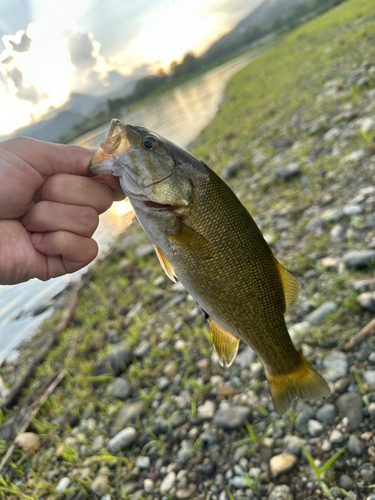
160,207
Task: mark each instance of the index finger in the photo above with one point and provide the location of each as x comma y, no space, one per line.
48,158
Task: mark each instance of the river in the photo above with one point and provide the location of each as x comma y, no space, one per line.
180,114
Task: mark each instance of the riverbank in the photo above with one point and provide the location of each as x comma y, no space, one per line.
143,409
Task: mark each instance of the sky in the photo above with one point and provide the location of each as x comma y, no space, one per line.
51,48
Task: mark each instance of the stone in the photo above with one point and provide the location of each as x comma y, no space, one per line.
114,362
326,445
63,485
231,170
100,485
238,482
292,446
337,232
206,410
332,134
320,313
98,443
129,412
336,437
369,376
245,357
143,463
352,210
327,414
368,125
281,492
28,441
315,428
171,369
350,405
287,172
186,493
367,301
282,464
333,215
186,452
259,160
346,482
302,418
148,485
143,250
122,440
342,384
119,388
353,158
355,445
315,224
126,266
335,366
298,332
168,482
232,417
359,259
371,410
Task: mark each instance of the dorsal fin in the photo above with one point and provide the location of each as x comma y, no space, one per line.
226,344
164,262
290,284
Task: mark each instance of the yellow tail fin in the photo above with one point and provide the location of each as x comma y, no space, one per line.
302,382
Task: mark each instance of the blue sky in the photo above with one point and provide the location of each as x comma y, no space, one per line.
50,48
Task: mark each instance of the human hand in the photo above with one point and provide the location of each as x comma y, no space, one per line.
49,209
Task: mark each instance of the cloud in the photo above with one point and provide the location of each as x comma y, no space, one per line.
29,93
7,60
82,51
23,45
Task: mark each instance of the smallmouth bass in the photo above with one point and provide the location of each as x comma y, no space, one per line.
205,238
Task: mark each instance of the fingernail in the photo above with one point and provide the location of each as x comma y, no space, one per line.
36,238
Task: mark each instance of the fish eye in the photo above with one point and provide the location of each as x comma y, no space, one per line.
150,142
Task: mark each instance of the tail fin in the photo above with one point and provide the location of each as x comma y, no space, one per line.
302,382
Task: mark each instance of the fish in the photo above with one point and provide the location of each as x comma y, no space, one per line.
206,239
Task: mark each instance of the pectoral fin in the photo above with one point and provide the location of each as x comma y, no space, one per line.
290,283
226,344
165,264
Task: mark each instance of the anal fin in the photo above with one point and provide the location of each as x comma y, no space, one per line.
226,344
165,264
291,285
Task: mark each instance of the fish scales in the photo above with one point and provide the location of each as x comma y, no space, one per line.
206,238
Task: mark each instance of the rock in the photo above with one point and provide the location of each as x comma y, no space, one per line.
346,482
326,445
143,463
231,170
148,485
371,410
168,482
186,452
327,414
368,125
315,224
114,362
342,384
350,405
127,414
28,441
353,158
336,437
186,493
98,443
329,264
334,215
369,376
100,485
359,259
367,475
287,172
232,417
298,332
302,418
355,445
332,134
320,313
314,428
259,160
122,440
118,388
292,446
367,301
63,484
126,266
238,482
337,232
245,358
206,410
351,210
335,366
282,464
171,369
163,383
281,492
143,250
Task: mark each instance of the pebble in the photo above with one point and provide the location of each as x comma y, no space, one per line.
327,414
352,210
316,317
346,482
337,232
336,437
143,463
315,428
302,418
367,301
232,417
100,484
368,125
63,484
291,446
186,493
128,413
98,443
114,362
119,388
259,160
342,384
353,158
350,405
369,376
298,332
371,410
148,485
143,250
28,441
335,366
171,369
168,482
359,259
122,440
207,410
315,224
281,492
231,170
245,358
238,482
281,464
287,172
367,475
355,445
